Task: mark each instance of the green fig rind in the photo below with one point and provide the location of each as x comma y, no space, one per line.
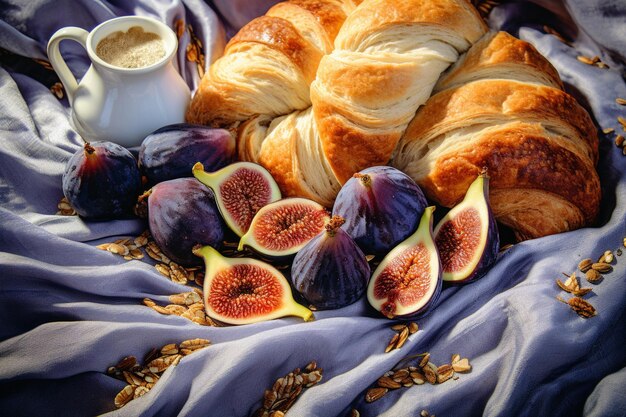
217,266
475,206
314,216
387,298
229,201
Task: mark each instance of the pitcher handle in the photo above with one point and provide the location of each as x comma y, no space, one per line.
58,63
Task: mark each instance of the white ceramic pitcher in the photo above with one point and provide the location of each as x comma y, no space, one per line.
121,105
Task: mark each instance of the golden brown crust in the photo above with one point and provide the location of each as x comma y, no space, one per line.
220,101
517,157
349,149
547,213
364,96
280,35
497,101
501,106
457,16
499,54
329,15
277,156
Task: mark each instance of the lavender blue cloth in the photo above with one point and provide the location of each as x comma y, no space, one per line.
68,310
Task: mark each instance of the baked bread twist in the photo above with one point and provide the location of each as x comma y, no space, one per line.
320,89
502,107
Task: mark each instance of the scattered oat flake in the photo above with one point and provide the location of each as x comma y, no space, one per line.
585,265
585,60
118,249
195,344
620,101
404,335
392,343
44,63
551,31
57,90
192,53
374,394
285,390
593,276
169,349
602,267
163,269
142,378
65,209
607,257
572,281
179,27
582,307
581,292
608,130
124,396
462,365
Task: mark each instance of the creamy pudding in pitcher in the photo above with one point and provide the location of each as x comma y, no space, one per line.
131,88
135,48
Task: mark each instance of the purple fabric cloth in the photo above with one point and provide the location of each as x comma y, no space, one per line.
69,310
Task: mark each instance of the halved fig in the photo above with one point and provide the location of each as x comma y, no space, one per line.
282,228
382,207
241,189
408,280
467,236
246,290
330,271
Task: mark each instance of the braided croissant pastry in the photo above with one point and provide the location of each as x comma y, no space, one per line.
321,89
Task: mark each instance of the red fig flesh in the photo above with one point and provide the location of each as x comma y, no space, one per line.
241,189
467,236
408,280
284,227
246,290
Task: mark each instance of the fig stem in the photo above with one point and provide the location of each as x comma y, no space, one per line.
89,150
301,311
334,223
366,180
197,167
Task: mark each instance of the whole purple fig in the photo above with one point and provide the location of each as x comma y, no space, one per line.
382,206
171,151
102,181
182,213
330,271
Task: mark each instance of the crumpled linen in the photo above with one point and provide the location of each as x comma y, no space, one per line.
68,310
